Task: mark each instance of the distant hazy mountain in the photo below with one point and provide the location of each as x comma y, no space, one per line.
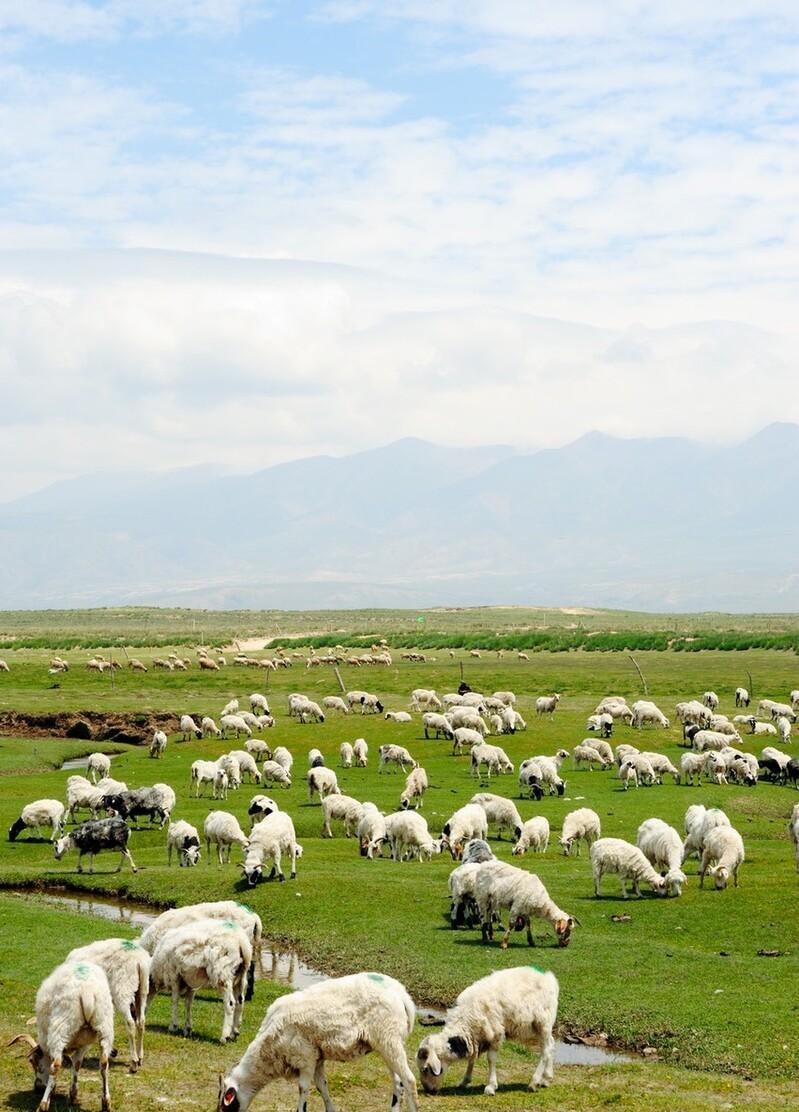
662,524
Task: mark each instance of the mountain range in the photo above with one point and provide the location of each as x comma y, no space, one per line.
664,524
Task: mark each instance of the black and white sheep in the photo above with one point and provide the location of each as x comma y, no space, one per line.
95,836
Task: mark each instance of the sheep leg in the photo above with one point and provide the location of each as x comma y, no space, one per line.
623,887
491,1055
304,1085
276,867
105,1105
320,1081
219,854
77,1062
467,1077
173,1026
44,1103
293,853
545,1070
404,1082
228,1007
189,1005
127,857
132,1030
636,889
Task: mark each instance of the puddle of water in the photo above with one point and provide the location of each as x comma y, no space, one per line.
286,968
80,762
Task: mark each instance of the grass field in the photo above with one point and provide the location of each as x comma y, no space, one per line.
682,976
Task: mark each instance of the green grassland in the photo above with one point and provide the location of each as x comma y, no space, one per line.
682,976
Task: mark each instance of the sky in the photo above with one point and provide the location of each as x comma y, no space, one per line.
236,232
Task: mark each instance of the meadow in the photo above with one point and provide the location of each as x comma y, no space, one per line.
682,976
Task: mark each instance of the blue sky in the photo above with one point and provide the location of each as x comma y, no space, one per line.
482,218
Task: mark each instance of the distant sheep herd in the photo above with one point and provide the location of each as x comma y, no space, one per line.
213,945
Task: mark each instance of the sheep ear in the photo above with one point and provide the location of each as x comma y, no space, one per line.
458,1046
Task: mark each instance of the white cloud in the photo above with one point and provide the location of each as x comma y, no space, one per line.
78,21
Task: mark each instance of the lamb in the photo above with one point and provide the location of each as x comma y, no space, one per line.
40,813
209,728
315,758
271,838
421,697
692,766
259,748
322,782
99,765
467,822
408,836
661,766
158,744
82,795
501,886
346,754
185,840
126,964
646,713
395,755
493,757
546,704
223,830
585,753
415,787
716,768
74,1009
440,726
371,830
337,1020
246,764
283,757
722,855
400,716
520,1004
234,722
578,826
93,838
208,772
501,811
741,697
207,953
343,808
699,822
189,728
793,832
614,855
274,773
534,835
662,846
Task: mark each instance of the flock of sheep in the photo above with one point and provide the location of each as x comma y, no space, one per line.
214,945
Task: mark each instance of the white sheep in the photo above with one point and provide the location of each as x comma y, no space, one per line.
189,728
614,855
342,808
710,699
547,770
579,826
283,757
601,724
395,755
762,729
247,919
546,704
646,713
259,748
311,712
270,838
501,811
158,744
234,722
321,781
691,767
371,830
337,1020
463,901
207,772
126,964
223,830
467,716
493,757
644,772
722,856
230,708
534,836
699,821
465,737
499,886
99,765
467,822
36,815
783,725
315,758
741,697
206,953
422,697
586,753
184,839
716,768
259,704
415,787
661,766
409,837
438,724
793,831
519,1004
662,846
506,697
274,773
246,765
400,716
74,1009
360,751
346,754
209,728
82,795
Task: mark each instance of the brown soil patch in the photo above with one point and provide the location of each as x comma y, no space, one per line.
92,725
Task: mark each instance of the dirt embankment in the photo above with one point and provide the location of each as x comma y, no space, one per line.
91,725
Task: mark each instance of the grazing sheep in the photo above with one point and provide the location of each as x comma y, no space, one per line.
223,830
692,766
321,782
315,758
246,765
74,1009
259,748
206,953
234,722
371,830
208,665
614,855
461,885
662,846
337,1020
347,754
467,716
93,838
259,704
274,773
230,708
421,697
283,757
492,756
699,821
98,766
519,1004
661,766
722,855
271,837
711,699
702,740
467,822
158,744
408,837
260,807
716,768
142,801
415,787
501,811
585,753
209,728
546,770
601,724
464,737
368,703
530,780
501,886
126,964
793,832
546,704
694,713
311,712
783,725
82,795
644,772
344,809
36,815
578,826
207,772
741,697
184,839
616,707
645,713
534,835
395,755
440,726
189,728
360,752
